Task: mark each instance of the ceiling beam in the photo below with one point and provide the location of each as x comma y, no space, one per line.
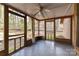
57,17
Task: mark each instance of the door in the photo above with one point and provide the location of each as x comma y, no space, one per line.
50,30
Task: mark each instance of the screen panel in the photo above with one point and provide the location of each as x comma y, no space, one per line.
63,28
16,31
29,28
36,28
41,28
1,27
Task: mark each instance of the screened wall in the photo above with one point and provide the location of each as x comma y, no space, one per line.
29,28
16,32
41,28
1,27
36,28
63,28
20,25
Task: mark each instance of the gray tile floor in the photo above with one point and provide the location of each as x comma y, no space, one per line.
46,48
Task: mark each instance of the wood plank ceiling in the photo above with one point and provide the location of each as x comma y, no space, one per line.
45,10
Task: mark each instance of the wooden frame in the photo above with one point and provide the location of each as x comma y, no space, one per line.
33,30
49,20
71,30
24,18
38,27
52,29
31,27
57,17
15,35
16,13
25,30
6,23
6,29
63,40
45,29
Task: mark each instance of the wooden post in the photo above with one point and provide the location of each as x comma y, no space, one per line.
45,28
6,39
33,30
14,44
54,31
20,41
25,30
38,28
71,30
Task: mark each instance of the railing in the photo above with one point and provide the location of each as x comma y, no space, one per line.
16,42
16,35
49,34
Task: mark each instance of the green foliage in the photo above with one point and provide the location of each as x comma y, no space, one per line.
50,36
16,23
1,18
29,25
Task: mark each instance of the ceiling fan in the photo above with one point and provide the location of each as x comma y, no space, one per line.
42,10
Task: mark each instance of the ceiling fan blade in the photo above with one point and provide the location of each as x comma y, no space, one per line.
36,13
42,14
41,6
39,9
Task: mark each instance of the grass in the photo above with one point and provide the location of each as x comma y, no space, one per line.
50,36
11,50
